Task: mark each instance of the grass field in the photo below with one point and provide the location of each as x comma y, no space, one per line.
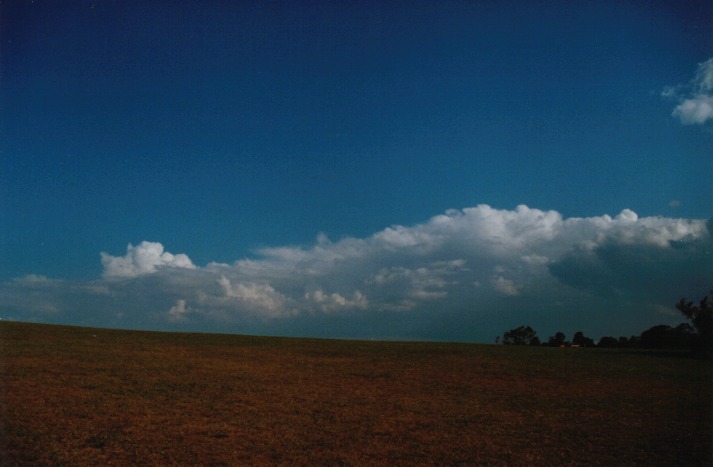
80,396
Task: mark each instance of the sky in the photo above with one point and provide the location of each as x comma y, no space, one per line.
376,170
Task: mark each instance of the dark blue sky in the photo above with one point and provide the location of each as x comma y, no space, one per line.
222,129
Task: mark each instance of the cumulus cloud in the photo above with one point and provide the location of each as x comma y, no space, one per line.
334,302
460,271
254,297
695,99
179,311
145,258
696,110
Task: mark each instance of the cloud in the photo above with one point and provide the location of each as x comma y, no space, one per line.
145,258
695,99
253,297
459,275
505,286
179,311
334,302
696,110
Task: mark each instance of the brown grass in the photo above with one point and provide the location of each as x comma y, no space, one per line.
78,396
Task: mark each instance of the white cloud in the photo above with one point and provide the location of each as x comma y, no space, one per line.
696,110
145,258
696,98
254,297
505,286
427,282
34,279
478,265
335,301
179,311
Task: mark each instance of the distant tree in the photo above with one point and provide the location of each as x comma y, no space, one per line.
623,341
580,339
634,342
608,342
701,317
522,335
654,337
535,341
557,340
666,337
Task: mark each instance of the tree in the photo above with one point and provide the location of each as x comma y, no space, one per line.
557,340
634,342
666,337
581,340
523,335
608,342
655,337
701,317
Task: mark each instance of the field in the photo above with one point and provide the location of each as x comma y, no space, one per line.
80,396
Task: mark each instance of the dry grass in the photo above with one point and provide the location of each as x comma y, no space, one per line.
77,396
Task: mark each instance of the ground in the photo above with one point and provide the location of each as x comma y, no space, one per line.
79,396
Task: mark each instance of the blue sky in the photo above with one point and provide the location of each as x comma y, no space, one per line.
345,169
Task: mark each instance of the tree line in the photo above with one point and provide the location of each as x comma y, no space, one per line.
696,335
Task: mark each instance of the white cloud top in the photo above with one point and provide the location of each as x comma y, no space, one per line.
696,98
479,264
145,258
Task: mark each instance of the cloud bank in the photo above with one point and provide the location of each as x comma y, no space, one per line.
695,105
462,275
